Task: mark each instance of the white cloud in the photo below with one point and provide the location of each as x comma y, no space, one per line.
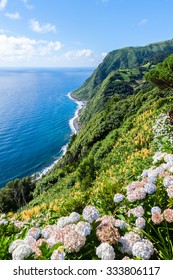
104,54
27,5
15,49
44,28
75,54
143,21
3,4
13,15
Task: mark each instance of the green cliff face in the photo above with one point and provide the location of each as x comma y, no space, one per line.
120,73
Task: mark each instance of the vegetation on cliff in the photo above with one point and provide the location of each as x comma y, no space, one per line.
120,160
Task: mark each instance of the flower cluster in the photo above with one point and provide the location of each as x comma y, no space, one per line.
127,241
140,222
163,131
72,218
168,215
105,252
143,249
118,197
137,211
73,241
90,213
58,254
107,233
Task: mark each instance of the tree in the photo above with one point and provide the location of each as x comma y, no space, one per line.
162,74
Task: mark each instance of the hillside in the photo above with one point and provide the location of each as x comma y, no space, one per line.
116,176
120,73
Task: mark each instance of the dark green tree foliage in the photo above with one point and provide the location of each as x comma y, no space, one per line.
16,194
162,74
86,172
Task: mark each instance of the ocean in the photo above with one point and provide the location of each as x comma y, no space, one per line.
35,118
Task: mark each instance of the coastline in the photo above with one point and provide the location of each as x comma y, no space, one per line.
74,122
75,128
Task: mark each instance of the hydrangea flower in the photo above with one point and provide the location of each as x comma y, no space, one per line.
74,217
170,191
156,209
90,213
168,181
105,252
137,194
120,224
58,254
107,233
118,197
142,250
158,156
168,158
15,244
127,242
150,188
35,246
29,240
140,222
137,211
168,215
34,232
74,241
133,186
83,228
157,218
3,222
151,180
63,221
48,231
22,252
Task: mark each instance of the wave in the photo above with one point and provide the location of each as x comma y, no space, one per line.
73,122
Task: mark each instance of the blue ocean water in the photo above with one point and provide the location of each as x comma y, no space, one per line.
34,117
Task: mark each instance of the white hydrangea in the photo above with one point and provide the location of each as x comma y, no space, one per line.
74,217
48,231
120,223
105,252
137,211
142,250
90,213
3,222
150,188
118,197
168,158
128,241
158,156
63,221
156,209
83,228
15,244
34,232
58,254
140,222
137,194
151,180
22,252
29,240
168,181
144,173
170,191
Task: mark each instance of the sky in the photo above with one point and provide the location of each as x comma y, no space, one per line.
78,33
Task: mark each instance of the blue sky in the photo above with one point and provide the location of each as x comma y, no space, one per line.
78,33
